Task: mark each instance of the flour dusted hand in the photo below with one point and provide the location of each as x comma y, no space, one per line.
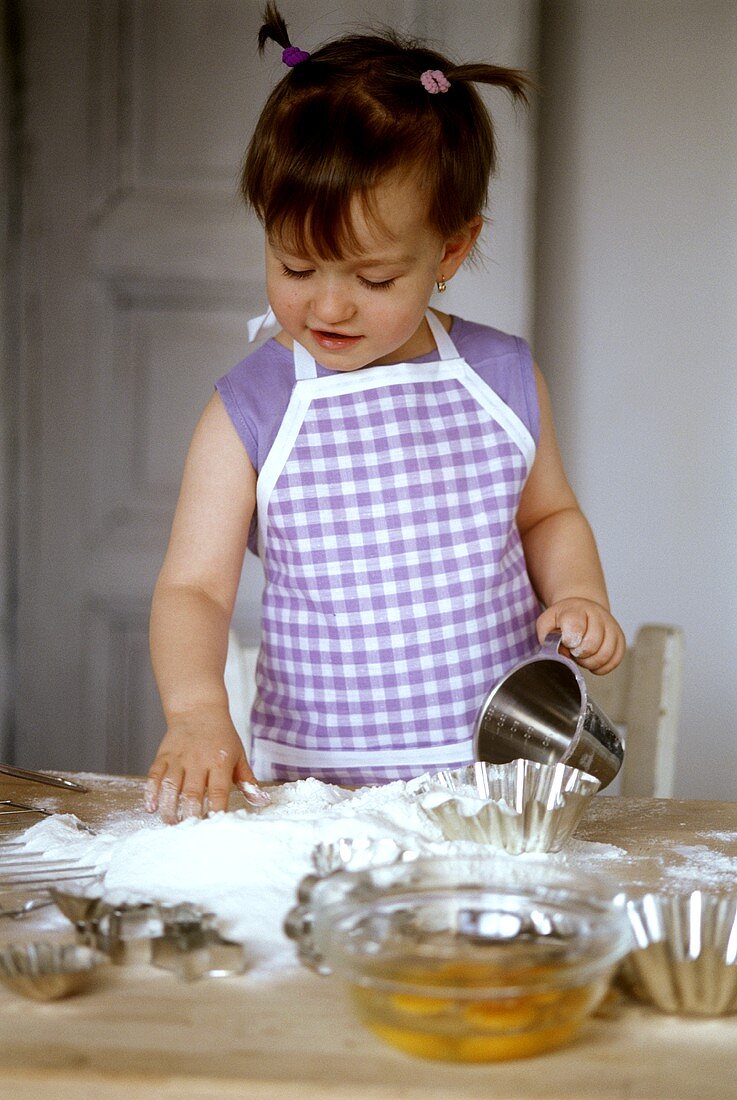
589,632
199,760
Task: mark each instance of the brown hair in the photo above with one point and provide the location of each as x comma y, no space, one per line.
355,111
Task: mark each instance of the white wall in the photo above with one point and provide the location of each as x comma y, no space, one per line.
637,324
499,290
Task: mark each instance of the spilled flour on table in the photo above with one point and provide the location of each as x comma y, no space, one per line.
702,868
244,866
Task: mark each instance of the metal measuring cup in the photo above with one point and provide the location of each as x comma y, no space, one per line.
542,711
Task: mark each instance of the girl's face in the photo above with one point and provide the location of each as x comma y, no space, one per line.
367,309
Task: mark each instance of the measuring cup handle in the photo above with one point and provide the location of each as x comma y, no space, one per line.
549,648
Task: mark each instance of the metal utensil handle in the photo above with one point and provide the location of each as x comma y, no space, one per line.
29,906
551,645
26,864
39,777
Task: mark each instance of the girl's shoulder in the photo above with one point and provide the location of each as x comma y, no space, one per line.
504,362
255,393
261,364
479,342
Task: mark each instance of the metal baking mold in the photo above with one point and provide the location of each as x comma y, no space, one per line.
522,806
330,860
48,971
82,905
360,854
355,854
685,961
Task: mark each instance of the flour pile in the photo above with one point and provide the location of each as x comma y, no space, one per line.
244,866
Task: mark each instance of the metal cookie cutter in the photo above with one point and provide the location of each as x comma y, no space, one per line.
122,932
191,948
126,933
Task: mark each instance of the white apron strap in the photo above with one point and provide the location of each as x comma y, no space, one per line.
446,347
304,364
262,326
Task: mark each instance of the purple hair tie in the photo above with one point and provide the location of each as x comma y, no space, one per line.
433,81
292,56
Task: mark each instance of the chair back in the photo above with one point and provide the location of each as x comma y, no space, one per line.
643,695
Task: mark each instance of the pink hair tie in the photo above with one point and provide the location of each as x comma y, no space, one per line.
433,81
292,56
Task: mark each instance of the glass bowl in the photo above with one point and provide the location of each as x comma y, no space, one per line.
453,959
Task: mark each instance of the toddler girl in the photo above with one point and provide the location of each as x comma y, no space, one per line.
395,467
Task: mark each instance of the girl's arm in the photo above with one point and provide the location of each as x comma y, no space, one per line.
562,559
201,753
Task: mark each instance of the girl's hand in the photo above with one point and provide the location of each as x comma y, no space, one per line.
200,758
590,634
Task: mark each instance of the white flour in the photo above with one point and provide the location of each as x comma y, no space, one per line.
244,866
701,868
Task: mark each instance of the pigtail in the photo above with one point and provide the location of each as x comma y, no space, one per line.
517,83
274,28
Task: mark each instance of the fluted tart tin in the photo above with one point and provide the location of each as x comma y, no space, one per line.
685,958
518,807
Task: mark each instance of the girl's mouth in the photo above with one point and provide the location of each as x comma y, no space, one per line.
334,341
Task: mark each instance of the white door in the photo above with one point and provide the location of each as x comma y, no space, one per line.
140,270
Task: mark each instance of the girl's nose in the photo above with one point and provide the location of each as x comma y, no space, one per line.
332,304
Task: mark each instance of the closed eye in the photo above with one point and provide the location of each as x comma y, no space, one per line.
385,284
296,274
377,286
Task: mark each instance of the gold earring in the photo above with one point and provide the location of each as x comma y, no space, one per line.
441,285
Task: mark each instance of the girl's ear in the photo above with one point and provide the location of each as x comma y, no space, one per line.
458,246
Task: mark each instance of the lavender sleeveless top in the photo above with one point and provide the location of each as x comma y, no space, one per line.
257,390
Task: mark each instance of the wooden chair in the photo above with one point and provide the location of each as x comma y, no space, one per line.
642,695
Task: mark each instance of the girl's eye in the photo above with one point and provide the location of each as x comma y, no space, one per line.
292,274
378,286
296,274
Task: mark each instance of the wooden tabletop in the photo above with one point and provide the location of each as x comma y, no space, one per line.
143,1034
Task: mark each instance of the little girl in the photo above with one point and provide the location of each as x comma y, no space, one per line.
395,467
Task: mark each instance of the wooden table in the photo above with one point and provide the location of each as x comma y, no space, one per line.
142,1034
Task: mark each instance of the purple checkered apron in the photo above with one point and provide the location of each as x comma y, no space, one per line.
396,588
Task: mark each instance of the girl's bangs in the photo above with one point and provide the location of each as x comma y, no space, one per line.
318,220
